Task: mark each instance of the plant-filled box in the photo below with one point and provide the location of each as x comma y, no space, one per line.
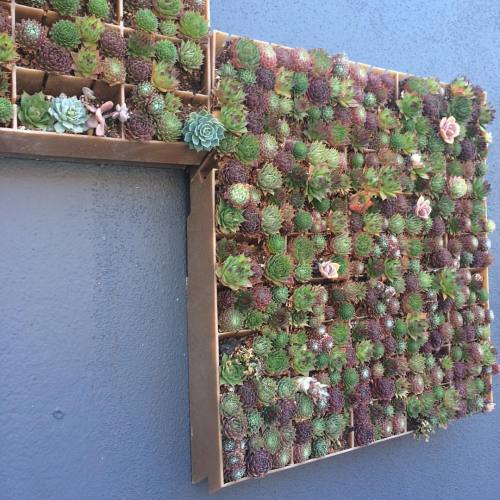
109,11
116,83
341,297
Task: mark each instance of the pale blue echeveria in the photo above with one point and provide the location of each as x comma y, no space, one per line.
202,131
69,114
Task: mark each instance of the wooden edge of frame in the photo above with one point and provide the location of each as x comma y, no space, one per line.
101,149
486,284
206,446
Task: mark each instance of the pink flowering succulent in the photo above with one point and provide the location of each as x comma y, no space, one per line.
449,129
98,119
100,113
329,269
423,208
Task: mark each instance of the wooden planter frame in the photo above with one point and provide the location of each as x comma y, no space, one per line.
204,337
16,141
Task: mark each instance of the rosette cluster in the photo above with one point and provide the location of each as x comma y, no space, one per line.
161,54
352,243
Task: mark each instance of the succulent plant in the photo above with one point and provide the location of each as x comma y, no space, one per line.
229,218
235,427
373,223
90,28
304,298
235,272
193,25
230,404
303,221
168,127
269,178
139,127
259,462
112,44
87,63
202,131
69,115
66,7
30,34
363,245
8,52
230,320
231,371
245,54
166,51
54,59
278,269
168,27
140,44
321,62
6,111
172,102
248,148
167,8
162,77
457,186
98,8
341,244
230,91
113,71
239,194
271,219
138,69
146,20
233,117
33,111
190,56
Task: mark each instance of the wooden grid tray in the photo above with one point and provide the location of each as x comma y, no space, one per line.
204,337
15,140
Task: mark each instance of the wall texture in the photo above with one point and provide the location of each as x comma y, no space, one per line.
93,358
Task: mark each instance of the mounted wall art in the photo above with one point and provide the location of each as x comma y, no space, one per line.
338,236
338,253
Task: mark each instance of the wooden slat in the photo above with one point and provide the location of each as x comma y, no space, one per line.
206,446
99,149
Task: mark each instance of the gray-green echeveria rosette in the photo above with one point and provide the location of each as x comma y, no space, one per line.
69,114
202,131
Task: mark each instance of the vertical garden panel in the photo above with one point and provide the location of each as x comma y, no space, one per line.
215,373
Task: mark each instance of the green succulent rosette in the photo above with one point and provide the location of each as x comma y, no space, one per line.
5,111
34,113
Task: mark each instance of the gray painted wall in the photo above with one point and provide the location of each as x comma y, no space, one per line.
93,361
